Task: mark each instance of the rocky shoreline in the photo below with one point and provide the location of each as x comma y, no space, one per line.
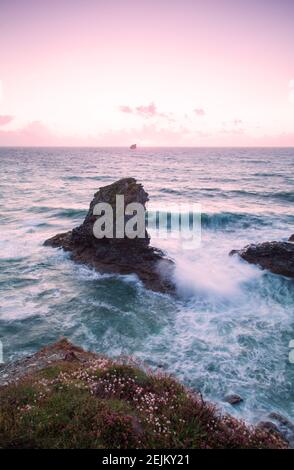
63,396
277,257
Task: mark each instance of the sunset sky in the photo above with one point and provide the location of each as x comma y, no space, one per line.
154,72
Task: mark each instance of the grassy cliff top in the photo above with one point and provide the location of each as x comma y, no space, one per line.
64,397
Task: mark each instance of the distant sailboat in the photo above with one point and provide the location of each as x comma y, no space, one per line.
133,147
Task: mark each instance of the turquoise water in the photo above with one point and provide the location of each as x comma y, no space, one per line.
229,328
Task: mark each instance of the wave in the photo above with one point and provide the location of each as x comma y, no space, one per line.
283,195
222,220
40,209
269,174
81,178
170,191
58,211
86,273
287,196
219,220
70,213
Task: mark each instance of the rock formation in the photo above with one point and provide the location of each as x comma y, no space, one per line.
233,399
277,257
118,255
285,427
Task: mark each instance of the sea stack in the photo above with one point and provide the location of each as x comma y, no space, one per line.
118,255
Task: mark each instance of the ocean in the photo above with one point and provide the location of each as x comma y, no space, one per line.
229,327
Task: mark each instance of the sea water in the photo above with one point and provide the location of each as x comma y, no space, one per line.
228,329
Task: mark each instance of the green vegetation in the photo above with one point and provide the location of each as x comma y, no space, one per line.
106,404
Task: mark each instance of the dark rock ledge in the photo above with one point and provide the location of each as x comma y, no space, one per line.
277,257
118,255
62,350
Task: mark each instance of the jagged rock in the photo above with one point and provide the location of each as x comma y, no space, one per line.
291,239
118,255
285,427
277,257
62,350
282,420
70,356
233,399
268,426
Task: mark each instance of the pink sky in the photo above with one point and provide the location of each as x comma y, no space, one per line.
164,72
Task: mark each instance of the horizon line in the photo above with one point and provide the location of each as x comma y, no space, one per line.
151,146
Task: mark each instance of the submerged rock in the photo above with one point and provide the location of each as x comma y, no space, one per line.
277,257
118,255
233,399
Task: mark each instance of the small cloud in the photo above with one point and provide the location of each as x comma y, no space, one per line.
1,91
291,83
5,120
148,111
199,112
126,109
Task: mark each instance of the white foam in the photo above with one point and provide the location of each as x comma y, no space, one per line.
206,271
90,274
